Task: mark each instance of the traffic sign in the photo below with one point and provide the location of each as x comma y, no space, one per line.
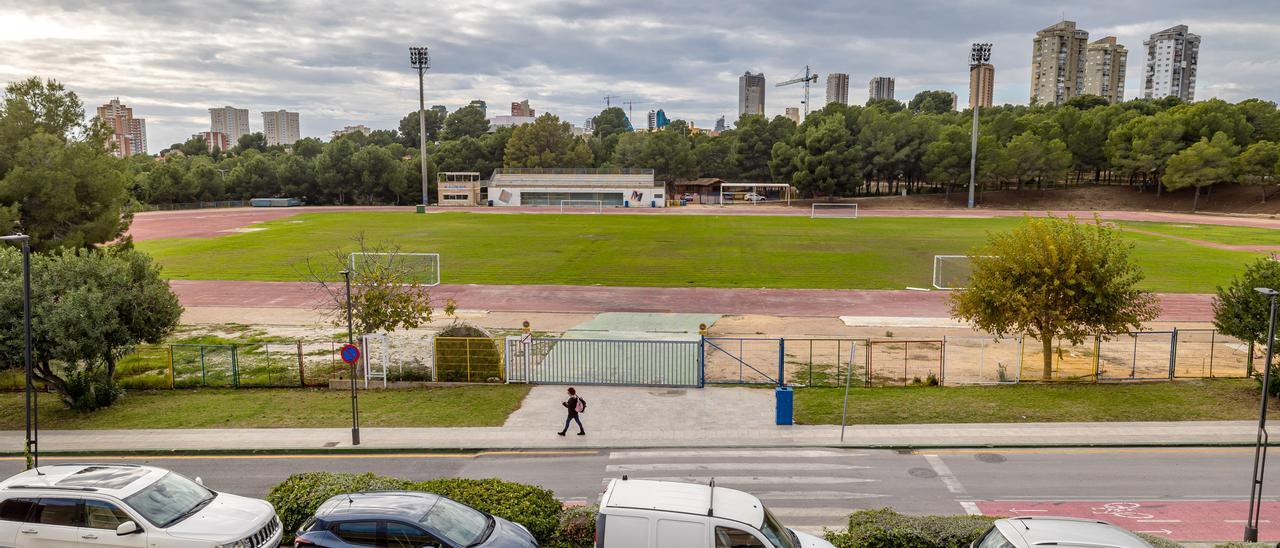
350,353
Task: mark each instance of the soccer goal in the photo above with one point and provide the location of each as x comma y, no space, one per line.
836,211
754,193
419,268
952,271
582,206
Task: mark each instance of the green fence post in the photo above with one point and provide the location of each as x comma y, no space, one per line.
782,361
172,385
235,366
302,375
204,376
1173,353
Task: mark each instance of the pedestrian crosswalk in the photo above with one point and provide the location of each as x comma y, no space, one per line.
807,489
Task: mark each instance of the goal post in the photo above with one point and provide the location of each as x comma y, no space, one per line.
754,193
953,271
833,210
589,206
420,268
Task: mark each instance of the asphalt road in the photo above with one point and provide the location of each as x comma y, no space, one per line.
1183,493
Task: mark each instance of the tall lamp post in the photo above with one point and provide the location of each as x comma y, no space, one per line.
355,404
32,419
421,60
1260,448
979,55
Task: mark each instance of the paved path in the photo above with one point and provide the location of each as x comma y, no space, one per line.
594,299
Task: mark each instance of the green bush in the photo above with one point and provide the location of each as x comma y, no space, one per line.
577,528
885,528
1159,542
297,498
89,389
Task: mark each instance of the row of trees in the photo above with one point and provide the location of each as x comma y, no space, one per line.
837,150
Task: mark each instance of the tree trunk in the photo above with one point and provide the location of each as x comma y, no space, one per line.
1047,343
1195,202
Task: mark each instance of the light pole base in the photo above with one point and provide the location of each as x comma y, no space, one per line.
355,436
1250,534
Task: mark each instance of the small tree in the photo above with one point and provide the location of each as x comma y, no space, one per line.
1054,278
1205,163
1243,313
388,292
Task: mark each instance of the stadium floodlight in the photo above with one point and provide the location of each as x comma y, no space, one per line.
979,54
420,59
589,206
833,210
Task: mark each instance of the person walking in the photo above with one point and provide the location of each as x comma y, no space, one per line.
576,405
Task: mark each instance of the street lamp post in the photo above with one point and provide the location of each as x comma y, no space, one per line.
421,60
355,404
1260,447
979,55
32,401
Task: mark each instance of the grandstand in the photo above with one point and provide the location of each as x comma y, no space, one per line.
551,187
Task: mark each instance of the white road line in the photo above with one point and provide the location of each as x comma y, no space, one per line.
970,508
730,466
815,495
1244,521
732,453
759,480
944,474
1159,521
817,530
828,512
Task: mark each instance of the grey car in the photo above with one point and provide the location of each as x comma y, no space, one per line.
1052,531
407,519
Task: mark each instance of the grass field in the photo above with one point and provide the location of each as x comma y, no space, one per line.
278,408
1230,235
1223,399
653,250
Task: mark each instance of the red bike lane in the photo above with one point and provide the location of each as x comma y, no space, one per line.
1181,520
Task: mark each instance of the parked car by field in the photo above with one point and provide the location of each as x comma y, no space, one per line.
86,505
753,197
1027,532
407,519
665,514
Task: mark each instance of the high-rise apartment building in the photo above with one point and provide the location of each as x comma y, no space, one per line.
751,93
280,127
522,109
1057,63
348,130
1172,57
719,124
128,134
792,113
214,140
230,121
880,87
1104,70
982,84
443,110
653,120
480,104
838,88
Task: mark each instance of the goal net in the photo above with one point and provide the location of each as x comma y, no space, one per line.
582,206
951,271
837,211
419,268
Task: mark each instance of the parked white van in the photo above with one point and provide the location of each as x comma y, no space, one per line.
666,514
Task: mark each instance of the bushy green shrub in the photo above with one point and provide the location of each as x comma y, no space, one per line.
297,498
89,388
533,507
885,528
1159,542
577,528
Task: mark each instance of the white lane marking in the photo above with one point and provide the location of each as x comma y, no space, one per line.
1021,511
731,453
1244,521
1159,521
828,512
730,466
817,530
944,474
757,480
970,508
815,495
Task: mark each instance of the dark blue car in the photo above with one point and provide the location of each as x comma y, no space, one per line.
408,519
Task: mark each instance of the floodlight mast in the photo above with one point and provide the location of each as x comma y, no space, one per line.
979,55
420,59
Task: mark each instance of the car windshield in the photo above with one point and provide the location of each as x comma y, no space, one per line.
170,499
460,524
776,533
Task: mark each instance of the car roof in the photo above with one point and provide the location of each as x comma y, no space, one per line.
1061,531
411,505
684,498
117,480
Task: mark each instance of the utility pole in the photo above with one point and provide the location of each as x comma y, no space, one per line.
979,55
1260,447
420,59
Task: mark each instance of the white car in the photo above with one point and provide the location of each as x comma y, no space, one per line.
753,197
1028,532
87,505
667,514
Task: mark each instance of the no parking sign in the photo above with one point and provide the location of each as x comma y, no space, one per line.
350,353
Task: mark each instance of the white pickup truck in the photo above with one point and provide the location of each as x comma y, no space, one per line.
666,514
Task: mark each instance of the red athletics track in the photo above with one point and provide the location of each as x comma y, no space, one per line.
1183,520
595,299
209,223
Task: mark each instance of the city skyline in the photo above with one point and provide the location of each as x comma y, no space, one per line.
691,72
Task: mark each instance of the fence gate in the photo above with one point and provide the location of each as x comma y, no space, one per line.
1137,356
603,361
743,360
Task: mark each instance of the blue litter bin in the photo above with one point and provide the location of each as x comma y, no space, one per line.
626,203
783,394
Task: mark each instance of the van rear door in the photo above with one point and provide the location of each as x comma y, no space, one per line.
623,531
680,532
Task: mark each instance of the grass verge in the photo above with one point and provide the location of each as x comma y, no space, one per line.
1222,399
278,408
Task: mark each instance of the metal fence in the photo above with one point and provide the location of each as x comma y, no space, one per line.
604,361
229,365
468,359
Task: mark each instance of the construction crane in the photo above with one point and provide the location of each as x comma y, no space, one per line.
808,78
607,98
629,104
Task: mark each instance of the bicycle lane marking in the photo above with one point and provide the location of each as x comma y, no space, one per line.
1177,520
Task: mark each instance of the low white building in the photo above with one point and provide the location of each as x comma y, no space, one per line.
554,187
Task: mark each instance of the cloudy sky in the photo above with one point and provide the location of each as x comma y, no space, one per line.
341,63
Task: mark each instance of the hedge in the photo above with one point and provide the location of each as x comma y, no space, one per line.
577,528
297,498
885,528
